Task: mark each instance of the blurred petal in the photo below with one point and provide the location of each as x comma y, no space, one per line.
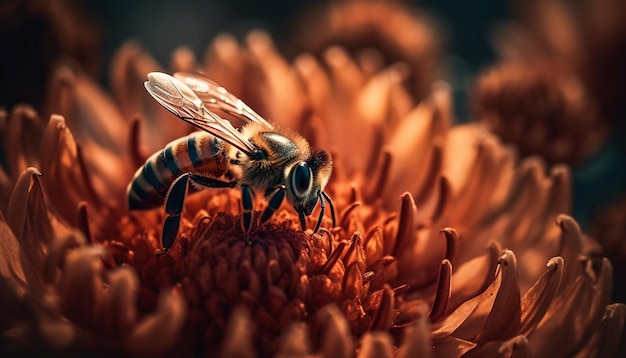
10,265
336,342
156,333
608,340
417,341
537,300
238,336
28,218
81,289
118,314
374,345
562,330
516,347
294,342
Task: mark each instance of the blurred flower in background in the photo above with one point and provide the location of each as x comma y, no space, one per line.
447,243
558,93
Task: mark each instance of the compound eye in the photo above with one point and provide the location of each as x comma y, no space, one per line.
301,178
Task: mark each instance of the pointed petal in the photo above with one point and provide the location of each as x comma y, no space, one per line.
158,332
576,313
56,255
571,248
375,345
80,291
417,342
384,315
88,110
28,218
516,347
442,295
474,276
375,188
23,131
276,93
224,61
238,338
504,317
609,338
118,314
294,342
10,265
183,60
451,346
336,342
405,238
130,65
537,300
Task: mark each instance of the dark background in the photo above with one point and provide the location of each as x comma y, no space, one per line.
163,25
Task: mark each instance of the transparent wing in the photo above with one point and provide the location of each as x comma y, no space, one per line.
184,103
215,96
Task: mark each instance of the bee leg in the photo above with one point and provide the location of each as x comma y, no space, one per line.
332,207
174,201
246,209
322,210
323,195
276,198
302,219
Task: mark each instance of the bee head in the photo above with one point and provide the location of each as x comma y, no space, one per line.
307,179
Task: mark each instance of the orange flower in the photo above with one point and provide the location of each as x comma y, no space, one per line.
392,278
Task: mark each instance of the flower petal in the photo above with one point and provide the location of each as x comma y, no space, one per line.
503,321
81,288
516,347
608,340
383,318
238,339
183,59
65,167
11,271
375,344
442,294
576,313
294,342
87,109
417,341
156,333
118,314
23,129
336,342
29,221
537,300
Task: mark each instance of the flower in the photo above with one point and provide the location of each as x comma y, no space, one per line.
570,56
558,92
445,242
542,109
377,34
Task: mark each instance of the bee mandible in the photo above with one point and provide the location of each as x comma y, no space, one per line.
259,158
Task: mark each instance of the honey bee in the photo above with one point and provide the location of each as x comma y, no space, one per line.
259,158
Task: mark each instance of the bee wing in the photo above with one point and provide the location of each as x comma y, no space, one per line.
184,103
215,96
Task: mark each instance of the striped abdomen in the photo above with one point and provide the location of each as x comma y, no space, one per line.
199,152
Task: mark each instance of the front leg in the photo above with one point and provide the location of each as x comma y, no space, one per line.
175,200
275,199
247,208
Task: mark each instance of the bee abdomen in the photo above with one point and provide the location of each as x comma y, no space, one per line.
199,152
